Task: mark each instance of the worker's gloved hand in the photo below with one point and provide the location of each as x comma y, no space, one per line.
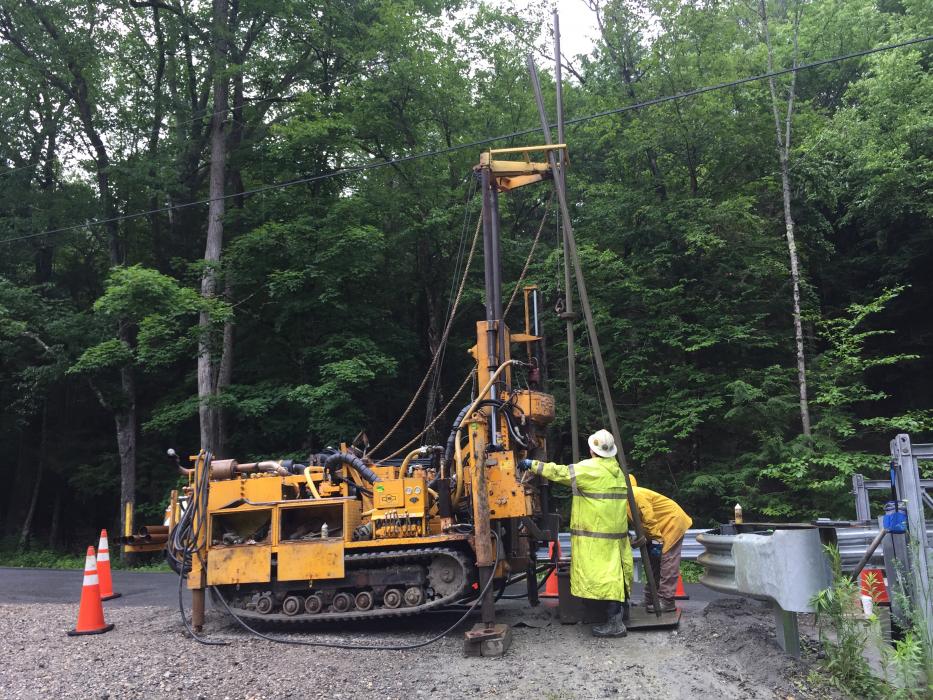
637,542
525,464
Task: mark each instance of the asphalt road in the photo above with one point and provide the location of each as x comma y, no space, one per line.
148,588
64,586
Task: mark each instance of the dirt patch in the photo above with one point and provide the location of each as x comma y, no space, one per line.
726,650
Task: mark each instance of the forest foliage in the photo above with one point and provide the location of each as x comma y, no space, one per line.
333,292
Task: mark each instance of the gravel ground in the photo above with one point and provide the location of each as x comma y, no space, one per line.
726,650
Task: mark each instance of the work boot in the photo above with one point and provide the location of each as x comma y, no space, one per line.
667,605
614,626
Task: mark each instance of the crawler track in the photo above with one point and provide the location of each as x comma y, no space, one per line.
445,593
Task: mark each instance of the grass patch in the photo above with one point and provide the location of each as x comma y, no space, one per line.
690,571
52,559
40,559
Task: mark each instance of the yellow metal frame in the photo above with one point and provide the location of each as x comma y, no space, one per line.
512,174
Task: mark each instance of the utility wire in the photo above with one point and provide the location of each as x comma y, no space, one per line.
9,171
375,165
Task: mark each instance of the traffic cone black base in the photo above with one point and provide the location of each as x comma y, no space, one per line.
105,628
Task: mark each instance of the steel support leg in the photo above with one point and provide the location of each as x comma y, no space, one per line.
197,609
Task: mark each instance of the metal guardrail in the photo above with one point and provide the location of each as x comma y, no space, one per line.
691,548
853,541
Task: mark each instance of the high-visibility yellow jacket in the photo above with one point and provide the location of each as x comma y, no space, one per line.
598,525
662,519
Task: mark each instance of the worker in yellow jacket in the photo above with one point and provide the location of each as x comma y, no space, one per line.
598,526
664,522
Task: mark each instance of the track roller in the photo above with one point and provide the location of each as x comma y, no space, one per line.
392,598
314,603
342,602
292,605
414,596
264,604
364,600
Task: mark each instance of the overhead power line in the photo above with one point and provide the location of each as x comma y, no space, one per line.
8,171
375,165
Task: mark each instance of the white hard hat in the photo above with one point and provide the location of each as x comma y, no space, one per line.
602,443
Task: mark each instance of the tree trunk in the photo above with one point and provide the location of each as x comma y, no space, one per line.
155,219
783,141
14,484
225,370
26,532
55,524
623,56
795,279
224,375
45,250
215,225
125,422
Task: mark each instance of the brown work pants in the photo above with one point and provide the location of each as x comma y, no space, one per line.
666,570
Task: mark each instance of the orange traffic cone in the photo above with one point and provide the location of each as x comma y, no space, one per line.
103,569
680,593
90,611
550,588
875,585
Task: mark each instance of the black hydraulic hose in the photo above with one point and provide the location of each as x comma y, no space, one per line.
449,451
508,420
350,482
368,647
293,467
351,461
189,529
184,618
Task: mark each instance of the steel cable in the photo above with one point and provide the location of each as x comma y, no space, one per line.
461,252
431,424
534,244
446,334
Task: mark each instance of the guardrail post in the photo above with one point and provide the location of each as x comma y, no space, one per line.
788,634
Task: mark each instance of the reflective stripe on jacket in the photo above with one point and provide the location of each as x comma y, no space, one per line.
598,525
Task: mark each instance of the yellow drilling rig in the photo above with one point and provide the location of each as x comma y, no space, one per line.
343,536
